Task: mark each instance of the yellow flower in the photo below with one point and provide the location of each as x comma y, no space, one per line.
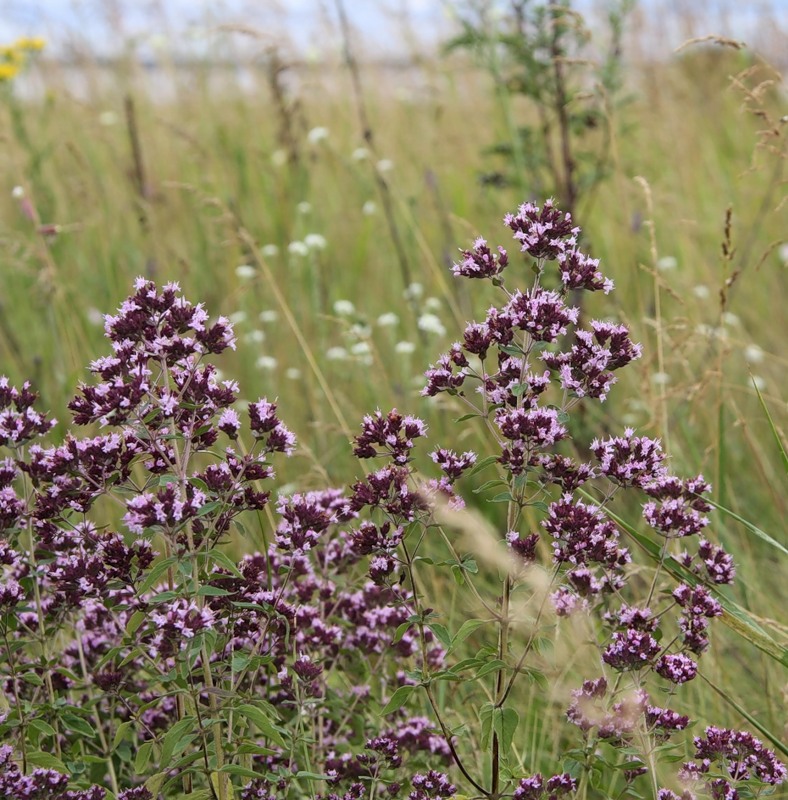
8,71
30,43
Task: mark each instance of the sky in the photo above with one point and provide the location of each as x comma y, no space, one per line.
309,26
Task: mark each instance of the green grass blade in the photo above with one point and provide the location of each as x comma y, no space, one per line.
752,528
775,432
722,455
734,616
775,740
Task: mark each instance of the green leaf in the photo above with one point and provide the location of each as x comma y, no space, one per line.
491,666
401,631
178,731
77,724
214,505
466,629
143,757
47,761
44,728
503,497
224,561
157,570
255,750
442,633
259,718
483,464
153,784
397,700
505,723
469,564
241,772
486,714
120,733
489,485
212,591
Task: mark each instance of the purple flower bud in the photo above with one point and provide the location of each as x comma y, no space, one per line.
630,649
719,564
677,668
542,233
229,423
540,313
390,435
481,262
431,786
578,271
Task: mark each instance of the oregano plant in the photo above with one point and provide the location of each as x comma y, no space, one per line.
142,660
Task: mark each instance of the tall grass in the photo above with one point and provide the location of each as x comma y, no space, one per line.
689,226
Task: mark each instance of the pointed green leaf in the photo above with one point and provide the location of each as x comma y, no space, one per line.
397,700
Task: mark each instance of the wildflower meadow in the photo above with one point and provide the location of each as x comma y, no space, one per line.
395,431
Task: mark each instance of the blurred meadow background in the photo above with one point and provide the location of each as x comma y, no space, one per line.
310,169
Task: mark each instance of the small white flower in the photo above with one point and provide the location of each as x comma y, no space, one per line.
433,304
336,354
293,373
782,252
388,320
360,154
431,324
414,291
369,208
760,383
238,317
701,292
344,308
317,135
245,271
255,337
269,250
405,348
360,331
108,118
660,378
269,315
315,241
279,158
667,263
361,349
304,207
17,192
385,165
729,318
753,354
267,362
298,249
